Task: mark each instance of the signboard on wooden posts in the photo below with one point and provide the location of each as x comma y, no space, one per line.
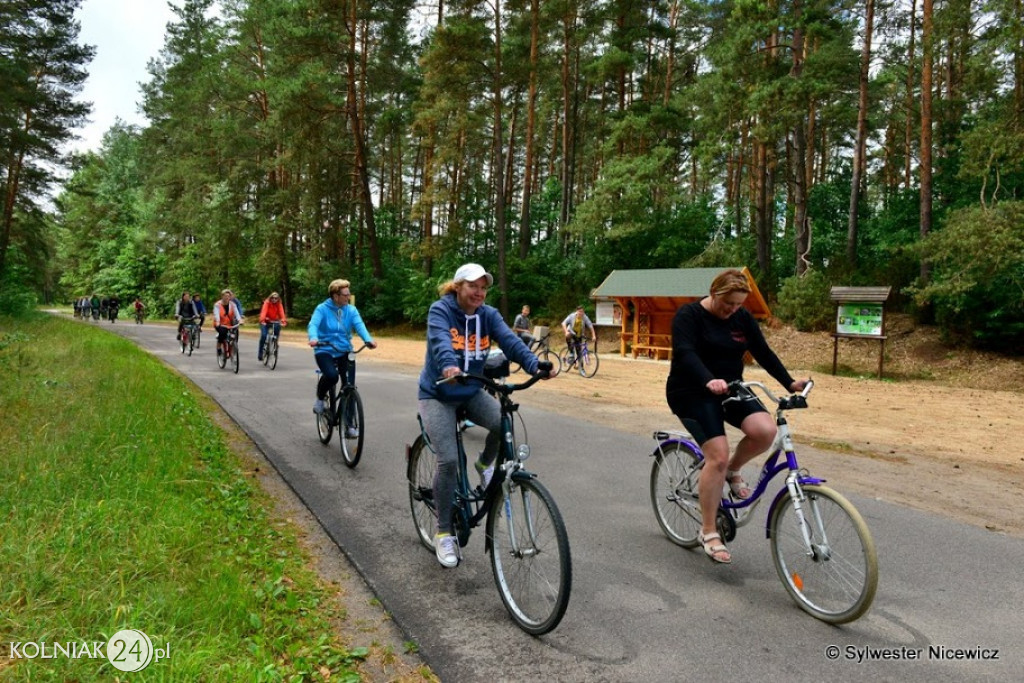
860,312
861,319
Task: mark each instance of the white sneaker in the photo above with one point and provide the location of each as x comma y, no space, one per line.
446,547
318,406
351,433
486,475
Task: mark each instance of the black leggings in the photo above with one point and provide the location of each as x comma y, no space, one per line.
332,367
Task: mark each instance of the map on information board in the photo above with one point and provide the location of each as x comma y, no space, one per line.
860,319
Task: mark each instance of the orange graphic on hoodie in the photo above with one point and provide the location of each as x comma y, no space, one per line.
459,341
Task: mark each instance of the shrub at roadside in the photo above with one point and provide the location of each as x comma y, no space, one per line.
804,302
977,283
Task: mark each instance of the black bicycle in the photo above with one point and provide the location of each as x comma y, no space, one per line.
270,344
526,536
541,347
345,411
187,338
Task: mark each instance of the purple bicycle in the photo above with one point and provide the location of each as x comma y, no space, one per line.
821,547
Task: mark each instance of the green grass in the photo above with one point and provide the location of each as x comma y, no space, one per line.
122,507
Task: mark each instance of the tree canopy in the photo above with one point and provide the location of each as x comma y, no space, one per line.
294,141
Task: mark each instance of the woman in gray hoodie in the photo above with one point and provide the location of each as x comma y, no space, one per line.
461,331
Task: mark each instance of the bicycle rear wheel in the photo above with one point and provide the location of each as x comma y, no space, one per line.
420,472
551,357
675,476
325,421
530,556
273,353
351,418
836,578
588,363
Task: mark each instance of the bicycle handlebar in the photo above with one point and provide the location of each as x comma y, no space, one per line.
336,348
798,400
543,372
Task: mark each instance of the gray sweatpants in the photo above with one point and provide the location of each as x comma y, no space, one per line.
440,424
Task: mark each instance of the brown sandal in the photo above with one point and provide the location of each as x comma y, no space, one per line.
714,551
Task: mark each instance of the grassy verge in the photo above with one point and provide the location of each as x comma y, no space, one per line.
122,508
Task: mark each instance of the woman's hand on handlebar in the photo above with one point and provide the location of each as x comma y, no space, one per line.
718,386
797,386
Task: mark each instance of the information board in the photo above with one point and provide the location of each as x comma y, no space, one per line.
862,319
608,313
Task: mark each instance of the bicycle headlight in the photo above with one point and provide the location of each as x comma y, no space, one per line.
523,452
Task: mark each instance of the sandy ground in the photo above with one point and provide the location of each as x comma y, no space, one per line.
951,451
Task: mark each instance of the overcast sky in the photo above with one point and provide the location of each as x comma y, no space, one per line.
126,35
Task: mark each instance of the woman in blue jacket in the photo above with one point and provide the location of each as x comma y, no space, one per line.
461,331
332,324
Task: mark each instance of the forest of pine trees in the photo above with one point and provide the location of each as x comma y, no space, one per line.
289,142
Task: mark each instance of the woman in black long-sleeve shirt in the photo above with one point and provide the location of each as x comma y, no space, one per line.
709,340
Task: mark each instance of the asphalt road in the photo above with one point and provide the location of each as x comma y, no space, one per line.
642,609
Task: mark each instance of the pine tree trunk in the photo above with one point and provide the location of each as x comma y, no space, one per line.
861,142
927,38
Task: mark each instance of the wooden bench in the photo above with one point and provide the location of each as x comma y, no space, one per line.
652,351
653,346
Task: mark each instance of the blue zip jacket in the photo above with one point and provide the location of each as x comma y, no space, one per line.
455,339
336,325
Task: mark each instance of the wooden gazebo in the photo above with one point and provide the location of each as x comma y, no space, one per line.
649,298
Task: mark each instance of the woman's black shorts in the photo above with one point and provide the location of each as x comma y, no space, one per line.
705,416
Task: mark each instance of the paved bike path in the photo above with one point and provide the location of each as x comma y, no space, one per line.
641,608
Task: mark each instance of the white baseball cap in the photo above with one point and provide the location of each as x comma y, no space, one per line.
472,271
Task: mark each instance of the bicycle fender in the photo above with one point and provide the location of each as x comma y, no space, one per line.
666,440
523,475
783,492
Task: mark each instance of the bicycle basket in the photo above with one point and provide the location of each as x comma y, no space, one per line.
496,366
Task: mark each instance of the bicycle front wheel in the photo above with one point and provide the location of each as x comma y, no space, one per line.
199,335
835,578
222,358
351,427
191,343
530,556
420,471
588,364
675,477
272,353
